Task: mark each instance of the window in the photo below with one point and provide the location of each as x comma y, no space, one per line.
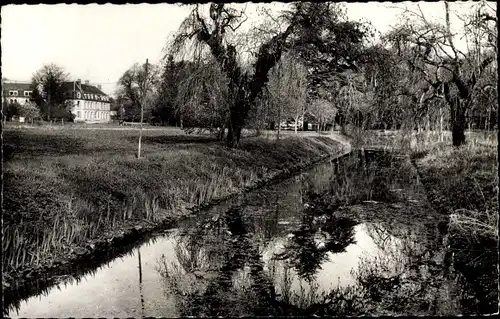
27,93
78,103
78,95
11,101
78,114
13,92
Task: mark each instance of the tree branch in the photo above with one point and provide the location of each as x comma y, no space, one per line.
448,29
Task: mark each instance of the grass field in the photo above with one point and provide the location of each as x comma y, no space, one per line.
65,188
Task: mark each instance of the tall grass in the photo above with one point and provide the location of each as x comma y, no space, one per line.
463,183
64,189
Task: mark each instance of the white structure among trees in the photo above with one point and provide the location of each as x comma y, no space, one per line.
89,103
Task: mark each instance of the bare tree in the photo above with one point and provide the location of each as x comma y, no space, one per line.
451,74
138,84
243,87
324,112
288,89
246,81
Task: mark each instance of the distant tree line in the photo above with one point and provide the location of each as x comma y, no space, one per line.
311,63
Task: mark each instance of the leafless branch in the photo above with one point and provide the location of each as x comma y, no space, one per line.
448,28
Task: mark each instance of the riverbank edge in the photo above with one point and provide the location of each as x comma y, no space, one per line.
470,250
105,249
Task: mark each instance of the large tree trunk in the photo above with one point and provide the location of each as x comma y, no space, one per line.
457,119
236,122
458,123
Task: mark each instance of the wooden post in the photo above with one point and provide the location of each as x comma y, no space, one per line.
279,121
441,124
144,91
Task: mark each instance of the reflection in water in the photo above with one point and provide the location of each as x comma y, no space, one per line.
389,259
350,237
310,244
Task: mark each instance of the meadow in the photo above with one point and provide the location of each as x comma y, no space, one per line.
66,188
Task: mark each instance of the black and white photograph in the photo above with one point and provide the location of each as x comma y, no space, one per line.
249,159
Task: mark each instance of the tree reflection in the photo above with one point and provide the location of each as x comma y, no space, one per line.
236,283
407,276
222,266
308,246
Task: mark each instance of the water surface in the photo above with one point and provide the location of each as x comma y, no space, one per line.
349,237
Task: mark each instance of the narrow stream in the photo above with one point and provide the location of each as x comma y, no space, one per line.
349,237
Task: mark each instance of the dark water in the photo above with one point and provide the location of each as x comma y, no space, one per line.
351,237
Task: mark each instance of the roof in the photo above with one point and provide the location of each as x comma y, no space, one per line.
8,86
67,86
86,89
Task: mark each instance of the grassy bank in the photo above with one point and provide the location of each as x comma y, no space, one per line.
64,190
463,183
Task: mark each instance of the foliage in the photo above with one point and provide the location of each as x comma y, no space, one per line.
167,108
30,111
9,109
49,94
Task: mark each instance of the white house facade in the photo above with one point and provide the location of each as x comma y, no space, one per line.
18,92
89,103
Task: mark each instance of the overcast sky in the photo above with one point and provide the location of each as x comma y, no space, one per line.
99,42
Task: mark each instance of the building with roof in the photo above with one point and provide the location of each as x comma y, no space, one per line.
89,103
20,92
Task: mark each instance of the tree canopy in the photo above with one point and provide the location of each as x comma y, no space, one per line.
49,94
307,24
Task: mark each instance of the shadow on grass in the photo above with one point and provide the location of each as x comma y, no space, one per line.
174,139
18,142
37,144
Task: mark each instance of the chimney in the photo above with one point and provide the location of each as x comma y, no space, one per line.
99,87
79,81
87,82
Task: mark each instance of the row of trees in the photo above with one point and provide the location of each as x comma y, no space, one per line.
311,61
